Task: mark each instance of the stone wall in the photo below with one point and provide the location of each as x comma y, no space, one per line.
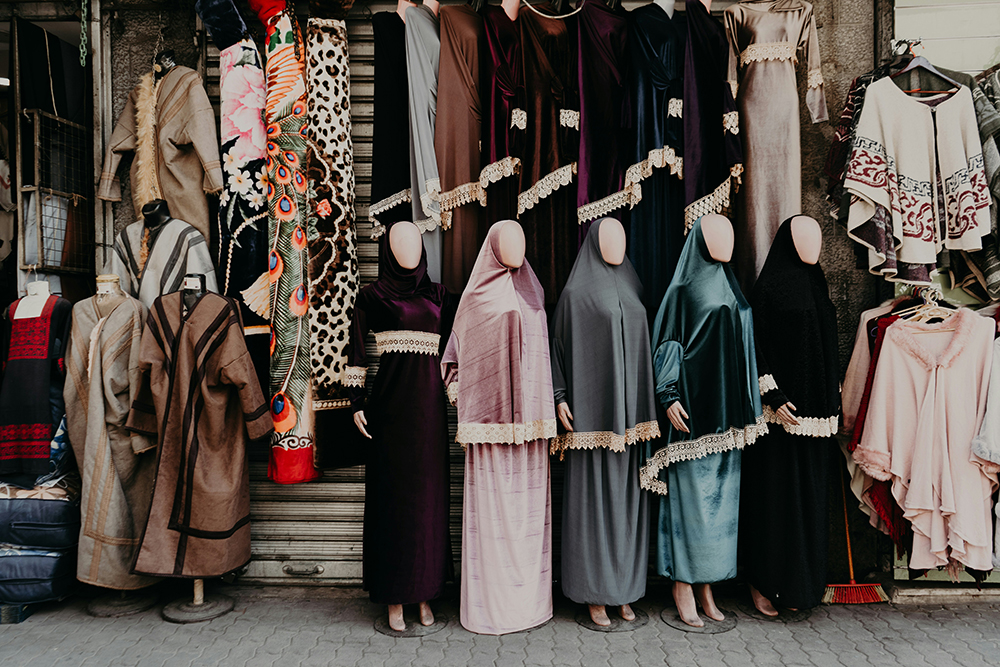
847,35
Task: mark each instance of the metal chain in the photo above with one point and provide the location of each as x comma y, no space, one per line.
83,33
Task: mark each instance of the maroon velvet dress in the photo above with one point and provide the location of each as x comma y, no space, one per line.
504,117
605,112
547,203
407,555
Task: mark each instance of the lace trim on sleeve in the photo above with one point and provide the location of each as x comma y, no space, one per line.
518,119
354,376
401,197
569,118
768,51
493,172
467,193
813,427
631,192
689,450
675,108
814,79
731,122
453,393
606,439
766,383
545,186
505,434
717,201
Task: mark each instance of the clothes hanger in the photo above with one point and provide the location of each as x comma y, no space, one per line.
557,5
923,63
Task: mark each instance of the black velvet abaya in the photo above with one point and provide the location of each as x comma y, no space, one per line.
784,520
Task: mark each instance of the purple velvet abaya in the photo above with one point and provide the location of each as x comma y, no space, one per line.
605,111
406,544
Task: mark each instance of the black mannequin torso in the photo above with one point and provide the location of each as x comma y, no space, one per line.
194,289
163,62
155,213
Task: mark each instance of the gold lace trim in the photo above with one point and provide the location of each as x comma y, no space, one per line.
631,192
606,439
331,403
731,122
813,427
569,118
689,450
814,78
425,226
545,186
734,87
430,195
766,383
401,197
453,393
768,51
417,342
502,168
518,119
505,434
467,193
675,107
718,201
354,376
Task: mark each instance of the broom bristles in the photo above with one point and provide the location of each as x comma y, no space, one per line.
854,594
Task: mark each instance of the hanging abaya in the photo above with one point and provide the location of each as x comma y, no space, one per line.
390,123
783,518
602,369
656,49
704,358
496,366
406,544
423,51
546,206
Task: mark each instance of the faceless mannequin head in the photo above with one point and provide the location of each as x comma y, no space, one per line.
612,239
406,244
718,233
512,245
708,4
807,237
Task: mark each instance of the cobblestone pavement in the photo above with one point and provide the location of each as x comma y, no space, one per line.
291,627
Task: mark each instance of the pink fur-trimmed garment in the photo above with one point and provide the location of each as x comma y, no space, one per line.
927,405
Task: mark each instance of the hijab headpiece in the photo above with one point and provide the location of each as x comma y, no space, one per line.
395,282
601,362
704,357
796,332
497,360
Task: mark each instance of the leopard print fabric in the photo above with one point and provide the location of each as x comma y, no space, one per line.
332,237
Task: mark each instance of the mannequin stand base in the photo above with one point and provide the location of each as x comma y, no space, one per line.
413,626
114,605
670,616
618,624
784,615
185,611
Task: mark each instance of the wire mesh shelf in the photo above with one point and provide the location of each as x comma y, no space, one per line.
57,221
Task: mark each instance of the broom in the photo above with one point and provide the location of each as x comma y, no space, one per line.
852,593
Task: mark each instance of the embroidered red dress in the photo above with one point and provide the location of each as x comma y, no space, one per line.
31,402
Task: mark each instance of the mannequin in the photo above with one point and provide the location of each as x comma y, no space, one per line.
668,6
511,7
32,304
401,8
719,240
155,213
718,236
612,238
512,245
163,62
808,238
708,4
194,289
407,247
612,242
